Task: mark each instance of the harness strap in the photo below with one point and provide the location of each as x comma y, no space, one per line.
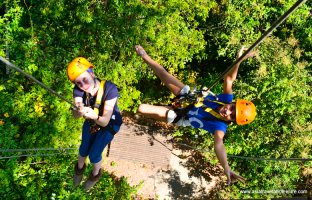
200,103
213,113
94,127
186,106
99,97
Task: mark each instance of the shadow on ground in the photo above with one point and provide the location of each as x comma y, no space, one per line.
195,162
182,190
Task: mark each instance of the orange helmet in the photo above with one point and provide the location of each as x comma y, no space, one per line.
77,67
245,112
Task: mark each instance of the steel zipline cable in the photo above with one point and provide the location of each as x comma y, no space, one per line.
248,157
264,35
62,151
36,149
35,155
179,143
9,64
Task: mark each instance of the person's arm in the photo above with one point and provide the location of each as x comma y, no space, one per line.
222,157
107,112
106,115
230,77
220,150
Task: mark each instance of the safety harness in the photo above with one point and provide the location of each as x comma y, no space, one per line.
182,104
207,109
99,97
94,127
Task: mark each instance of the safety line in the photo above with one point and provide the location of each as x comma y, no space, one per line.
268,32
36,149
250,158
7,51
34,155
9,64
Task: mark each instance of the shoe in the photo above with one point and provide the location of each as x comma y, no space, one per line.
92,180
78,174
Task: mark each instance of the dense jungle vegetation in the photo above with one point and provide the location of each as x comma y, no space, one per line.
193,39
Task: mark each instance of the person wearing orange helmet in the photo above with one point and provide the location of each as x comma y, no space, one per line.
213,114
97,103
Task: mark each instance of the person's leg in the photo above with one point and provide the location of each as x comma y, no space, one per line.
171,82
86,141
80,166
81,161
158,113
103,137
78,173
96,168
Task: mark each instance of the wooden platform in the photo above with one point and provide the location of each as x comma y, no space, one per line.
144,154
141,145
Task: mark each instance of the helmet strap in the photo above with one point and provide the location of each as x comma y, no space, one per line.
94,79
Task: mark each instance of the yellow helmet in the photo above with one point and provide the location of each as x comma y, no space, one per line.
77,67
245,112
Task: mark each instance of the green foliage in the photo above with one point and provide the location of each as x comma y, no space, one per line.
277,80
194,40
280,87
43,179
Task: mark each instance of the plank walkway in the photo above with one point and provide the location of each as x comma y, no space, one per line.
141,146
144,154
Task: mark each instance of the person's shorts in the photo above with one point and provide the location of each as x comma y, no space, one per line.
92,145
172,115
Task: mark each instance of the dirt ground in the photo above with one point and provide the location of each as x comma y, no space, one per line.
143,152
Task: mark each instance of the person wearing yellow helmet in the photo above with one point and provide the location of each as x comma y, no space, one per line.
97,102
213,115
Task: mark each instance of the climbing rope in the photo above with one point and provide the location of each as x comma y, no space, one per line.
43,149
9,64
247,157
35,155
264,35
36,149
7,51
